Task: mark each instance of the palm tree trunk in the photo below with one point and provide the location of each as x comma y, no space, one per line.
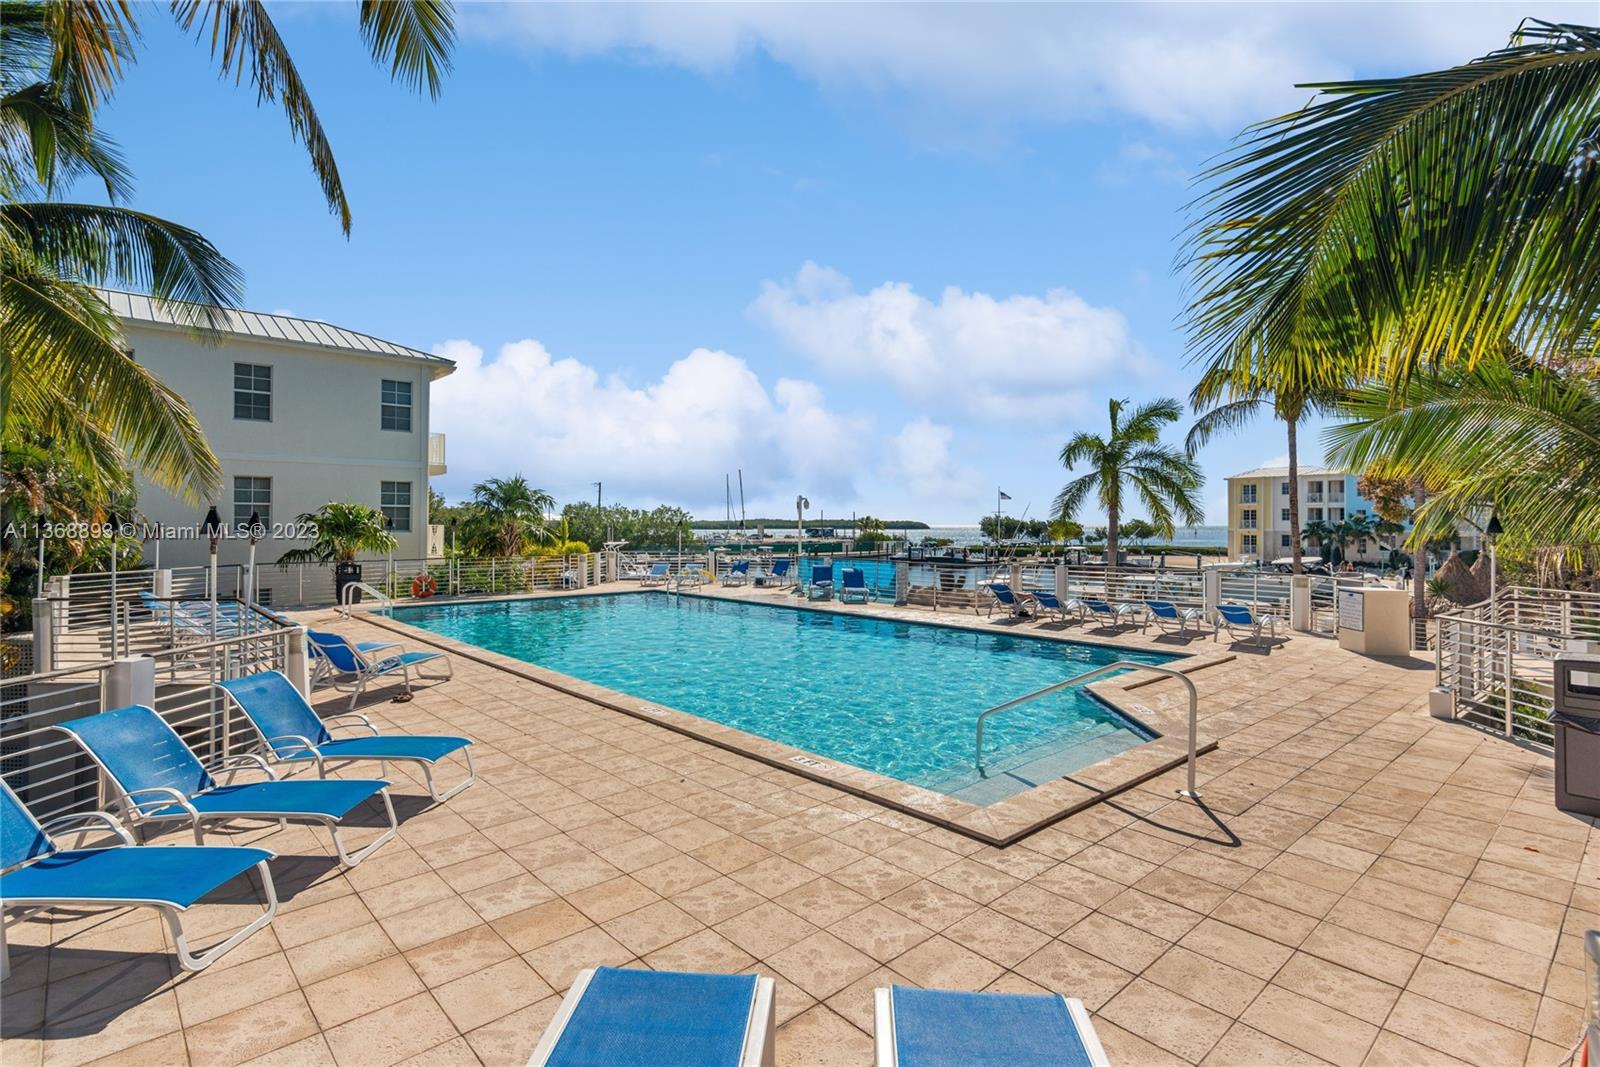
1290,420
1112,524
1419,560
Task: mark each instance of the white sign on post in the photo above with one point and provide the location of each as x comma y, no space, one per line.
1352,608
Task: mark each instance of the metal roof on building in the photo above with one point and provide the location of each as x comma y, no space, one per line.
1283,472
136,307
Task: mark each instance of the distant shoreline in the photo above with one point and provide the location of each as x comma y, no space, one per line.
751,524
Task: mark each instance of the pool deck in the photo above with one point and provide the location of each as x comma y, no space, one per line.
1365,886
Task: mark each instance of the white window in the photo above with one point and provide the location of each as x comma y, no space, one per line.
1247,519
1336,514
396,406
395,502
252,392
1283,515
1285,542
1283,488
1314,514
1247,494
1247,544
251,494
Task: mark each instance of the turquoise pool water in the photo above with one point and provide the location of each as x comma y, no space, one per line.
898,698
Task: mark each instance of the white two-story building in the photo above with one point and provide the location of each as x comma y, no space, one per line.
299,413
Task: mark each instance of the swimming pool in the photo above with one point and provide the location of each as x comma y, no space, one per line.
898,698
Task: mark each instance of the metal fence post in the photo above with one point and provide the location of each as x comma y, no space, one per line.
1510,694
130,680
44,645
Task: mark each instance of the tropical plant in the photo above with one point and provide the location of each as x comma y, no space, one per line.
1065,531
1321,532
1353,528
506,517
1402,223
65,372
343,532
1165,480
1514,433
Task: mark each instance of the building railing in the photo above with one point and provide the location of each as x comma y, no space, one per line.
51,773
1496,658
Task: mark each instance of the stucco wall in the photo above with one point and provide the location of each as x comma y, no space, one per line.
324,441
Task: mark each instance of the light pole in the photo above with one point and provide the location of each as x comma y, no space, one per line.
800,505
1490,534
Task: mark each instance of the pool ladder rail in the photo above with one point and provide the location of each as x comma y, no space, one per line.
1192,792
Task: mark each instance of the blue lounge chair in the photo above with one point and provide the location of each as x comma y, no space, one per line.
1115,616
821,586
737,574
39,874
780,573
1001,595
1236,617
156,778
853,588
622,1018
291,731
1049,603
942,1028
659,574
1169,618
345,665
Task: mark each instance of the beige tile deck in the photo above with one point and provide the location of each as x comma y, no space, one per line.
1369,887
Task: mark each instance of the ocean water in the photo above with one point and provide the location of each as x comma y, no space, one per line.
898,698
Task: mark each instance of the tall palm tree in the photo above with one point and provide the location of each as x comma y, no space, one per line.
1165,480
64,370
1230,397
506,515
1399,223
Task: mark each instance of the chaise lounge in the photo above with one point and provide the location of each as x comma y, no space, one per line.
156,778
291,732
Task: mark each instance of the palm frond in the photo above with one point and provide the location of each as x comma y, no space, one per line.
1397,223
245,41
414,37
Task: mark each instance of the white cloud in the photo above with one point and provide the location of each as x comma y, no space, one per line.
969,353
564,425
1182,66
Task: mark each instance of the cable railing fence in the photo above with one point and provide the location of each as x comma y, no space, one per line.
1495,659
51,773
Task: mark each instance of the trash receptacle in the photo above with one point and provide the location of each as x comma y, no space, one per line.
1575,717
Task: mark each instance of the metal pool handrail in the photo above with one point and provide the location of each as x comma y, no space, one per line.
1121,664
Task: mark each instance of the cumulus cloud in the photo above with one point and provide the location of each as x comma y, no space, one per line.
968,353
1179,66
565,425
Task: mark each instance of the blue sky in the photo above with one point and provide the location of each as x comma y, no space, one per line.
888,256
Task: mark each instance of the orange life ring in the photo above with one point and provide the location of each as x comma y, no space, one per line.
424,586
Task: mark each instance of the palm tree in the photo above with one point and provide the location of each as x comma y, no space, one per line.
66,374
343,532
1319,531
506,515
1233,391
1358,527
1400,223
1164,479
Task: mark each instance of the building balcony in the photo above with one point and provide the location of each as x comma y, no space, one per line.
436,464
